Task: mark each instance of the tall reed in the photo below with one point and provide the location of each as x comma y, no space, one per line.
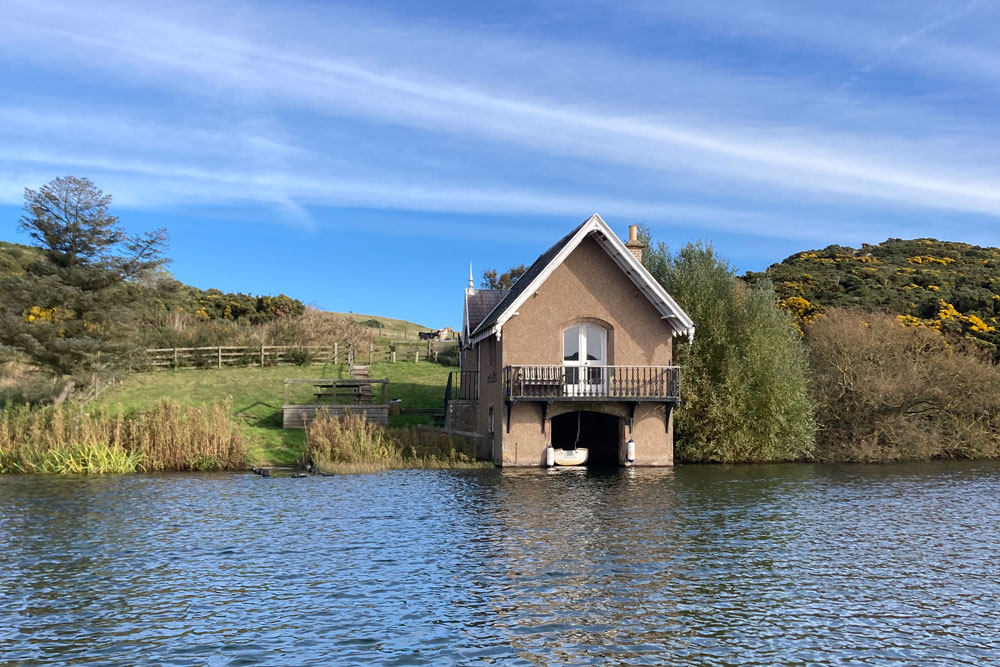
66,439
352,444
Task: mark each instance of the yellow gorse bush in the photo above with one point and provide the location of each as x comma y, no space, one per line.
947,313
39,314
976,324
804,311
927,259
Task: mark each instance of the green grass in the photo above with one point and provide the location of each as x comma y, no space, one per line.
258,393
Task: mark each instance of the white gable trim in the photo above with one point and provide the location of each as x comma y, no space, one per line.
678,320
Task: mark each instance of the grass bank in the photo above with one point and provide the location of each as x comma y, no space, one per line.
257,394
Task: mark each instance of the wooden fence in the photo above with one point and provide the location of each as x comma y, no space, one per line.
257,355
290,355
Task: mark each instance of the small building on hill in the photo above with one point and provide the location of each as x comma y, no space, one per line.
577,354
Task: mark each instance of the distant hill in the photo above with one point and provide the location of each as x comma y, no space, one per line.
209,304
164,293
952,286
387,326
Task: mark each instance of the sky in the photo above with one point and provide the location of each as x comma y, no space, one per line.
359,156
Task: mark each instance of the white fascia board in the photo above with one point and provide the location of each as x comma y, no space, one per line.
659,297
654,292
482,335
593,223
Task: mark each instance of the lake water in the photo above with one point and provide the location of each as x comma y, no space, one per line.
757,565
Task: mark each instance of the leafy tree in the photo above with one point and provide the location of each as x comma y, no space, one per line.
503,281
68,311
745,374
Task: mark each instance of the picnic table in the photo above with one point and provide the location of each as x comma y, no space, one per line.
351,389
357,390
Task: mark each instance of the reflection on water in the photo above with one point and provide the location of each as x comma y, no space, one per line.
697,565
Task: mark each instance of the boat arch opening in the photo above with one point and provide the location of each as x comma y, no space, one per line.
599,432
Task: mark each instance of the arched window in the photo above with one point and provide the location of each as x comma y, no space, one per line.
585,353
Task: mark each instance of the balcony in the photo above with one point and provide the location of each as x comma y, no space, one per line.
592,383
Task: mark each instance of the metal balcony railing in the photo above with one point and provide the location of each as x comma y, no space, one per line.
462,386
590,383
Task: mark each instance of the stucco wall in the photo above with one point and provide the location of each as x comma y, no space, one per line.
588,285
490,352
526,442
654,442
467,360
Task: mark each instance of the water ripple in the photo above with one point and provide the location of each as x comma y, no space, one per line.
761,565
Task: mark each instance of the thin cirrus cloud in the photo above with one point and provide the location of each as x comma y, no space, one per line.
246,114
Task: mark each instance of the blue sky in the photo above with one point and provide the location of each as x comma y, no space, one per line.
359,156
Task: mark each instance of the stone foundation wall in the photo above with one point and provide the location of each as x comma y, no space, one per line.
462,416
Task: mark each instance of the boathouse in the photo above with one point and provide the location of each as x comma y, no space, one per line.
577,354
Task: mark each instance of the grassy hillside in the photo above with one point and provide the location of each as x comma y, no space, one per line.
389,327
257,395
950,286
14,257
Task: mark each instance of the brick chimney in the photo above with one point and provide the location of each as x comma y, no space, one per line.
634,245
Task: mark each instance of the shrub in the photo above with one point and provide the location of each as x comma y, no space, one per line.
448,356
885,391
744,378
300,356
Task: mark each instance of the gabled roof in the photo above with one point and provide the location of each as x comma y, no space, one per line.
547,262
480,303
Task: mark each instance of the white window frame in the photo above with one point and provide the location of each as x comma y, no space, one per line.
585,384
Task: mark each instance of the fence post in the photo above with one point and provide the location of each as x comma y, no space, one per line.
416,355
335,360
175,358
220,356
371,353
392,354
262,355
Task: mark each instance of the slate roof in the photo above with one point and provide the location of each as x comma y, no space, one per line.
522,283
480,304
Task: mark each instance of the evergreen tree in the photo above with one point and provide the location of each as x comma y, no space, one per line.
745,376
68,312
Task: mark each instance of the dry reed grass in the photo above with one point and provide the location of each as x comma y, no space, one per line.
66,439
350,444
